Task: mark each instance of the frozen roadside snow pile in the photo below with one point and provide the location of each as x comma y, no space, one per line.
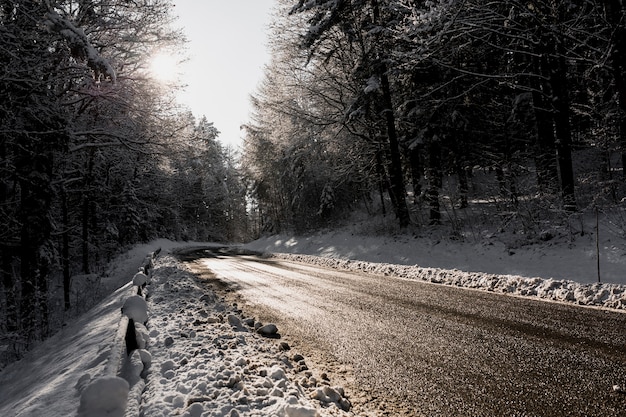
140,279
600,295
207,359
135,308
106,396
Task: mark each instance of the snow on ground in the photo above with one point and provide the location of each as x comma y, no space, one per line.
125,265
203,357
49,380
558,259
553,270
206,358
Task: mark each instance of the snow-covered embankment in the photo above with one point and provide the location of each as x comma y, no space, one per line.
209,359
117,391
604,295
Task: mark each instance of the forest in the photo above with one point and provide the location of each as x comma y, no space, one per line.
432,113
433,110
95,156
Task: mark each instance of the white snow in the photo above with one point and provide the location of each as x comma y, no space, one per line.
373,84
50,379
554,270
559,259
76,37
135,308
206,361
202,357
105,397
140,279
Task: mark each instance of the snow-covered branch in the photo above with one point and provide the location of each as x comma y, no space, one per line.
80,45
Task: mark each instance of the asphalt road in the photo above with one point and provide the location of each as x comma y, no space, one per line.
422,349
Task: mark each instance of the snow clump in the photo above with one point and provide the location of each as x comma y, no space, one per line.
140,279
136,308
105,397
207,359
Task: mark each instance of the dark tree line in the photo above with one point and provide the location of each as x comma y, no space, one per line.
94,154
399,97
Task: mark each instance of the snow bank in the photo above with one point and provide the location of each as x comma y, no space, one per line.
49,380
559,258
208,360
105,397
602,295
117,392
559,271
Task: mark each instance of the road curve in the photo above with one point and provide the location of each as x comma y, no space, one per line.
422,349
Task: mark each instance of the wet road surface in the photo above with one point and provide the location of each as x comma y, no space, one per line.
422,349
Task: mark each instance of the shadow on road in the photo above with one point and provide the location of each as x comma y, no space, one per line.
193,253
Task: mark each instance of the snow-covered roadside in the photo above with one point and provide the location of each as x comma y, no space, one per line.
440,262
601,295
193,375
48,381
125,265
205,357
559,258
208,360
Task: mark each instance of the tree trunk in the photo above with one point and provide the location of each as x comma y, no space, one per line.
85,214
615,13
85,233
434,173
461,173
501,181
555,98
416,172
397,189
382,180
545,161
65,251
7,250
8,283
459,153
42,295
560,100
34,167
554,69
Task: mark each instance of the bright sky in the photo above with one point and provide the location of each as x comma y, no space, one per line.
227,50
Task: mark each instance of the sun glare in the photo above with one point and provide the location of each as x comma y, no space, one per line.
164,67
